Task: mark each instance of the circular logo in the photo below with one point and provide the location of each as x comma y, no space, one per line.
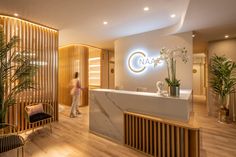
134,62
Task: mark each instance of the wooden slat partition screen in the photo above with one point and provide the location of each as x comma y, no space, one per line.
160,138
42,43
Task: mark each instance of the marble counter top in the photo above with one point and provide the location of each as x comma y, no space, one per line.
184,94
107,107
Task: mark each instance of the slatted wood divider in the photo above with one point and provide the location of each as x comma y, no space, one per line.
160,138
42,43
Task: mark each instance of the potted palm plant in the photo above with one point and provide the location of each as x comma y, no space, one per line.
170,56
16,70
222,81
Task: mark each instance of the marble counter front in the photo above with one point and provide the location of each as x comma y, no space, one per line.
108,106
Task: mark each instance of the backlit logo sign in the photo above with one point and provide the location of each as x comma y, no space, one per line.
139,61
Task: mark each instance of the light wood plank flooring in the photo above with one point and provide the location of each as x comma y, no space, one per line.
71,138
217,140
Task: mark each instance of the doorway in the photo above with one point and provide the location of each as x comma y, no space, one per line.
199,76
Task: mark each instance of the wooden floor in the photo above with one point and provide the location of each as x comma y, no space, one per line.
71,138
217,140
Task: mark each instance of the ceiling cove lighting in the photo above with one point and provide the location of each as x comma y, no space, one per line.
146,8
32,23
226,36
172,15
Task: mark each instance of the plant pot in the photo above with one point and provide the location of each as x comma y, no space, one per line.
223,115
174,91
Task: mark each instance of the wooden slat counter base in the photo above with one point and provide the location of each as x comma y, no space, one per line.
160,138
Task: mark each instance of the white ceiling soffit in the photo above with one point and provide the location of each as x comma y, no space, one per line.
81,21
211,19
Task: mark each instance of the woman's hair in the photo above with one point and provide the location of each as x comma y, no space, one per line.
76,74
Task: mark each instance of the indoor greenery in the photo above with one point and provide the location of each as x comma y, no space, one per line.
16,72
223,77
170,56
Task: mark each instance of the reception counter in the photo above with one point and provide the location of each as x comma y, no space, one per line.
107,108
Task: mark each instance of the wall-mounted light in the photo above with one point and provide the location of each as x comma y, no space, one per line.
105,22
94,65
146,8
172,15
94,58
16,15
226,36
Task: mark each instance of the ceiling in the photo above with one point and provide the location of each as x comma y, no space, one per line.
81,21
211,19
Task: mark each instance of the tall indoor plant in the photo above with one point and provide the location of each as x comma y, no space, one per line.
16,73
222,81
170,56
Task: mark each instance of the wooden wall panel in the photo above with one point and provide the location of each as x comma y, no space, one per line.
68,65
73,59
84,55
105,69
42,43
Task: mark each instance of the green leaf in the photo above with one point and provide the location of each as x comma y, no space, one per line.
17,71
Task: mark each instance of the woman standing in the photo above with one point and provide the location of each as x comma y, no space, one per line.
75,93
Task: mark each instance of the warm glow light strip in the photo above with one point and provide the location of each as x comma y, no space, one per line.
95,72
94,85
79,44
94,59
94,66
27,21
94,78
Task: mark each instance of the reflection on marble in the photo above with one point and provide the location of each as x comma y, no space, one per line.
107,108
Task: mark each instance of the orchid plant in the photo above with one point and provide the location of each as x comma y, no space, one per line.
170,56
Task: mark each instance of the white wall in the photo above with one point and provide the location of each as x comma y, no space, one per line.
151,42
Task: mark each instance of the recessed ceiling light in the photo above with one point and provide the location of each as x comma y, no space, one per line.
146,8
172,15
226,36
15,14
105,22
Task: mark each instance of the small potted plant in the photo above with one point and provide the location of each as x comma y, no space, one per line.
170,56
222,81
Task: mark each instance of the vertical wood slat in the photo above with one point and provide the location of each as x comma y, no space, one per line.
163,141
172,141
186,145
147,136
136,133
168,140
151,137
155,139
143,130
140,133
158,138
133,129
42,43
178,142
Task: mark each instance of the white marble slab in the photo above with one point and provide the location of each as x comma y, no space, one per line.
107,107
